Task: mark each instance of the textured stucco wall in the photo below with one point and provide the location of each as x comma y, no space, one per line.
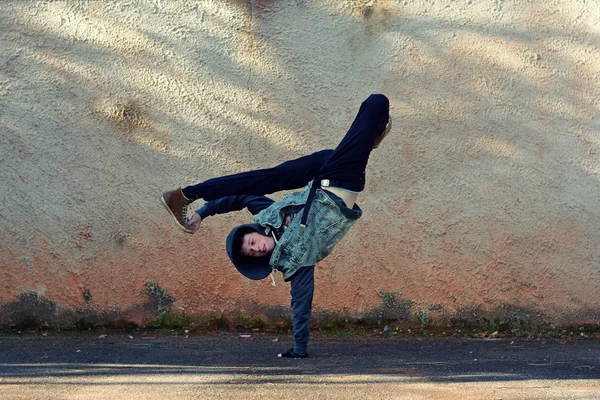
486,195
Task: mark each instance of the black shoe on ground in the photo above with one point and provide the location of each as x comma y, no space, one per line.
292,354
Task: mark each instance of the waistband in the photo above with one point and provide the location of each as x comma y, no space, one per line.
354,187
351,187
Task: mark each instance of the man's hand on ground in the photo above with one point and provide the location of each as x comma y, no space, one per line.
194,222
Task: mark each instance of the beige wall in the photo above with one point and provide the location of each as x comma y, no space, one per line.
486,196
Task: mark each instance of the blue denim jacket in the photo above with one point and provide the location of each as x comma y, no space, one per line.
302,282
328,221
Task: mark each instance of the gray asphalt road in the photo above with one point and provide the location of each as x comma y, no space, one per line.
158,367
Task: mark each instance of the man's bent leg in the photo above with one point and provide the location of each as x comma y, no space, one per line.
345,169
349,160
292,174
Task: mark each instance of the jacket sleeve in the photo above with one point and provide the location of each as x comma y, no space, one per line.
303,287
254,204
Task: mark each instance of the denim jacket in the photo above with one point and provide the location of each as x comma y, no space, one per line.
328,221
302,283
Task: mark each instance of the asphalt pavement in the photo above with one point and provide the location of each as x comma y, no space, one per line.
231,366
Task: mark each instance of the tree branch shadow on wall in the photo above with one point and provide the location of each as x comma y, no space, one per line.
414,84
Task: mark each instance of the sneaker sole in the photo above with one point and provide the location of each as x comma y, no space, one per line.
183,228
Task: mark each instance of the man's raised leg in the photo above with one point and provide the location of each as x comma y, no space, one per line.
290,175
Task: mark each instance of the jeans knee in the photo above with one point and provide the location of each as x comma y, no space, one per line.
378,100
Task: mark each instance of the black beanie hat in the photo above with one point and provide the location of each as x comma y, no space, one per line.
254,268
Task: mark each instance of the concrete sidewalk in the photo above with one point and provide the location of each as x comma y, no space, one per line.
159,367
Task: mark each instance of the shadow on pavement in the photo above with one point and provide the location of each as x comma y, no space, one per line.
253,360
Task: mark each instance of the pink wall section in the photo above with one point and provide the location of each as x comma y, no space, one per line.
483,201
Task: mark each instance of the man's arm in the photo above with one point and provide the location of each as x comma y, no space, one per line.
303,287
254,204
302,282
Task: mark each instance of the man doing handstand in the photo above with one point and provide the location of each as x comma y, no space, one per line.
293,234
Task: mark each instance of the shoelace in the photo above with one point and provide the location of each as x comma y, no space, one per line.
184,211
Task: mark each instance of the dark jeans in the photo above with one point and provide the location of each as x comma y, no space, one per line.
345,165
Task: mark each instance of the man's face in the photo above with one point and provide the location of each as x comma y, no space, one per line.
256,245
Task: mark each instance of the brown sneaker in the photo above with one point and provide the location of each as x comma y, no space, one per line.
177,205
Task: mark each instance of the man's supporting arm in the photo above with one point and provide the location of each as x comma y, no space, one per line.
303,287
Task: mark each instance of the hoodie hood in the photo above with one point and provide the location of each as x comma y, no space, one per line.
254,268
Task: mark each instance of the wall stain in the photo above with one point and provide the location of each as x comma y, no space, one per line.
159,299
32,311
134,122
128,116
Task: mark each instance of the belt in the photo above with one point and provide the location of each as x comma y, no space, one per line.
316,183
